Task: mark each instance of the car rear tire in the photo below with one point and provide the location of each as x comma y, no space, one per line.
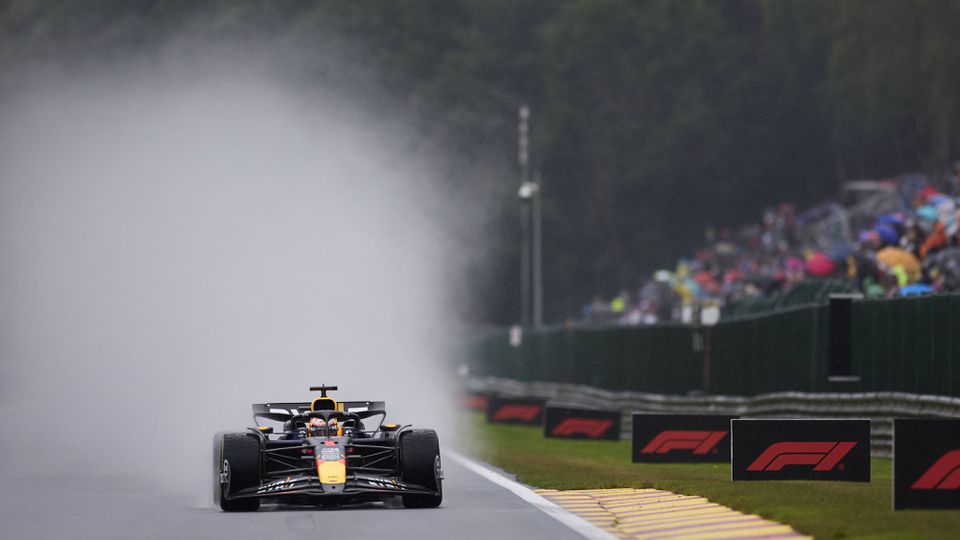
239,453
420,464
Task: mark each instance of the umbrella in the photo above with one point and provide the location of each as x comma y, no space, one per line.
706,282
891,257
916,289
927,213
927,193
888,234
820,265
869,237
662,276
839,252
947,214
945,263
890,219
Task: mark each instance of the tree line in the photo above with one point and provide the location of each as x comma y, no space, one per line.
651,119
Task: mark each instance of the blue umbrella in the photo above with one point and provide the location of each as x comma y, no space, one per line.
916,289
888,235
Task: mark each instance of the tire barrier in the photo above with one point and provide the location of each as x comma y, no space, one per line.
879,407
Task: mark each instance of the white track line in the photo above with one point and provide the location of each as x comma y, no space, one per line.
578,524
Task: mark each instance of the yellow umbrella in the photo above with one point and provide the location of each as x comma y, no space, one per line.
892,257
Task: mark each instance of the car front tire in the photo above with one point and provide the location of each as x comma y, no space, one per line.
239,454
420,464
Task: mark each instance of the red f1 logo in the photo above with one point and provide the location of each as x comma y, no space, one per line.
700,442
589,427
823,455
525,413
944,474
475,402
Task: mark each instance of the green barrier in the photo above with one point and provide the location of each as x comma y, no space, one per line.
905,345
909,344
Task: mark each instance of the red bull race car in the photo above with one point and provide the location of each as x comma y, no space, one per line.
326,454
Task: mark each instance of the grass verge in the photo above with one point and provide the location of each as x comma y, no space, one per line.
822,509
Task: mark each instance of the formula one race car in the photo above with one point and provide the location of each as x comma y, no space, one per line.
326,455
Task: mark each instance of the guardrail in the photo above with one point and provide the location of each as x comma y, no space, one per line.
879,407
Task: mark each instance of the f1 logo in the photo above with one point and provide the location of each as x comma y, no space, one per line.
824,450
700,442
824,456
475,402
680,438
926,463
524,413
571,423
944,474
588,427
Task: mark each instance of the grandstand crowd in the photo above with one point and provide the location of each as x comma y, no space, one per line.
888,238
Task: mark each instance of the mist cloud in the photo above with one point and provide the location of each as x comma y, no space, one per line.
179,242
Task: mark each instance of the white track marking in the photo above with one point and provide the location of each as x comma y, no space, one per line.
578,524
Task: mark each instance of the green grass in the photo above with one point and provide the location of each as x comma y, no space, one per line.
823,509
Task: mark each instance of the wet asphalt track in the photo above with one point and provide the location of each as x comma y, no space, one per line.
45,508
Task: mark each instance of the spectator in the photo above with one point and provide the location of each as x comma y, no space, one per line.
786,249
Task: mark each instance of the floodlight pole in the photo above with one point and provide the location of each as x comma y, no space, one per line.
531,267
537,266
523,157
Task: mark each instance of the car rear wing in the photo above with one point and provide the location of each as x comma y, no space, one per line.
283,411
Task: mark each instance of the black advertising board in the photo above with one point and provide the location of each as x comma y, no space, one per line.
570,423
926,463
801,450
475,401
526,411
681,438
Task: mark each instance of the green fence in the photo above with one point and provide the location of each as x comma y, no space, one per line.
652,359
908,345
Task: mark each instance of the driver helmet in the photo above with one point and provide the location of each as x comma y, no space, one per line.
333,427
316,427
